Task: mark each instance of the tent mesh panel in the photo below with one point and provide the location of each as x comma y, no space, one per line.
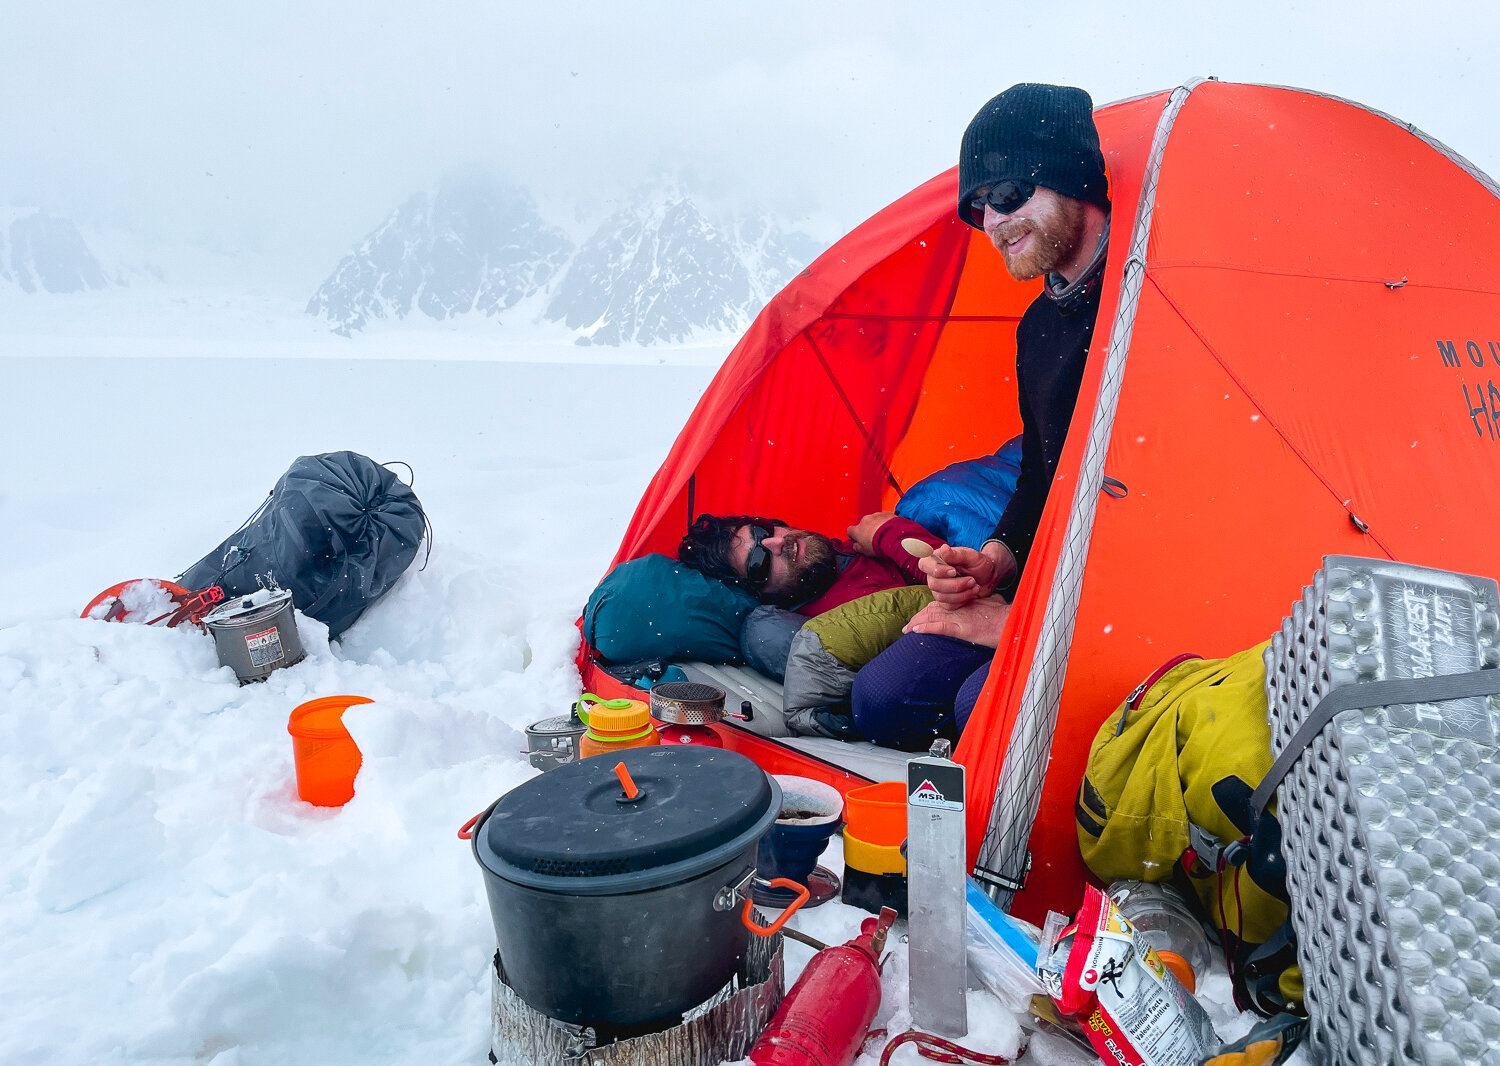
1003,853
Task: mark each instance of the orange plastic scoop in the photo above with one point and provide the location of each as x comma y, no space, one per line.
324,754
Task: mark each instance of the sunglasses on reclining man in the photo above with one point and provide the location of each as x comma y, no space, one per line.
1004,196
758,562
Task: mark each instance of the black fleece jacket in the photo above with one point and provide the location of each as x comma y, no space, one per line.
1052,346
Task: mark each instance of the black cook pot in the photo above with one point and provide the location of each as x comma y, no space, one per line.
617,911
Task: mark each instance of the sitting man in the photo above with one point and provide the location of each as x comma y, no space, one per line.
798,574
1032,177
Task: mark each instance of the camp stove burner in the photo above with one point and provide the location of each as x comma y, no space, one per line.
687,703
690,708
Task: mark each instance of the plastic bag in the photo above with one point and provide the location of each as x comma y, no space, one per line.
1001,954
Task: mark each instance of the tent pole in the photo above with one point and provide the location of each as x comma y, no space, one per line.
1003,854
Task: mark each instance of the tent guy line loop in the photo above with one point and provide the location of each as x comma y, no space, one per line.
1161,266
1271,420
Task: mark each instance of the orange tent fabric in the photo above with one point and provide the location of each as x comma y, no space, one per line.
1298,354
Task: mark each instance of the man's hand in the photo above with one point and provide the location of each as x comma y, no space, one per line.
979,622
863,532
958,576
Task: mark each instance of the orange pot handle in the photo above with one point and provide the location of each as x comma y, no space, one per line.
466,831
803,895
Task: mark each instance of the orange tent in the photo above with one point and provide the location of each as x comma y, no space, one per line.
1297,353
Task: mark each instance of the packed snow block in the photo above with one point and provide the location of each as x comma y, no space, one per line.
962,502
1391,815
655,607
337,531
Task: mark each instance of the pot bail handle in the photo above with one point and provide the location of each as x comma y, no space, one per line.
466,831
803,895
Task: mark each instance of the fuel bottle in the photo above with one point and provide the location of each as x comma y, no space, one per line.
824,1018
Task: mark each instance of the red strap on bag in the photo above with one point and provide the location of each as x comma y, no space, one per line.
190,606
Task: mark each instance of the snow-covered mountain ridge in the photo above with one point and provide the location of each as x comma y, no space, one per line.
663,267
45,252
655,271
464,248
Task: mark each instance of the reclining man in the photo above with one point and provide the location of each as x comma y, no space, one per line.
1032,177
798,574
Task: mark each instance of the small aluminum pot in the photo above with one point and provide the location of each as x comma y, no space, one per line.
256,634
553,742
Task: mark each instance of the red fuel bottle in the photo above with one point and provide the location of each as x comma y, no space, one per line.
824,1018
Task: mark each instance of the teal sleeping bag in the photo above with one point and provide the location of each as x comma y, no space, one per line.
655,607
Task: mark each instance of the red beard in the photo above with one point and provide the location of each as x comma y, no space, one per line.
1056,229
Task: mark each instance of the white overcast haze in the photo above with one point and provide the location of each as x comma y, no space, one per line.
282,133
165,899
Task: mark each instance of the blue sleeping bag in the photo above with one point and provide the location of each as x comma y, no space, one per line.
962,502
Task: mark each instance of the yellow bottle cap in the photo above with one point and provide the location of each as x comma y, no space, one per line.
615,716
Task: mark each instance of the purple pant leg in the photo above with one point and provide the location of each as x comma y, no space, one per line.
904,696
968,694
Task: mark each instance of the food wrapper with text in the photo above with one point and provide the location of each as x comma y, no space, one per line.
1133,1010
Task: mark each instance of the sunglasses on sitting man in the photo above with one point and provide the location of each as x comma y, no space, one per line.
758,562
1005,197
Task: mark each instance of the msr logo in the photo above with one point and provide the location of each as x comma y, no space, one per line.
927,792
935,784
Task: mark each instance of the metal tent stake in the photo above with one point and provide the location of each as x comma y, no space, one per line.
937,907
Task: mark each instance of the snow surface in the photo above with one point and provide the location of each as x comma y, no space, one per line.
164,895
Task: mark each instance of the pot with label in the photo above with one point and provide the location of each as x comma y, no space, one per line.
256,634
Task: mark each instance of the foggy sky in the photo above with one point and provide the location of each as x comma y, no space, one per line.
287,131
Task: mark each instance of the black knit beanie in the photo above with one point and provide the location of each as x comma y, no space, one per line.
1043,134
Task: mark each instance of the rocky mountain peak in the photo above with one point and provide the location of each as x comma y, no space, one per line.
467,246
657,270
42,252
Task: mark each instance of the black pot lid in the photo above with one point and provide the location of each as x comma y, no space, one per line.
573,823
